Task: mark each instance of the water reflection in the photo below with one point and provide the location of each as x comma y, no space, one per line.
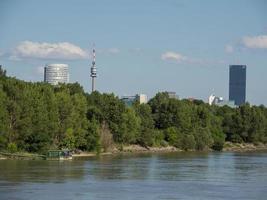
249,163
150,166
120,167
144,176
17,171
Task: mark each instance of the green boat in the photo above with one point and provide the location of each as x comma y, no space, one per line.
59,155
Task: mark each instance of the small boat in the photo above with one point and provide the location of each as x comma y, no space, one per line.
59,155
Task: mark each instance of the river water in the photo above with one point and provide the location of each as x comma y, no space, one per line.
140,176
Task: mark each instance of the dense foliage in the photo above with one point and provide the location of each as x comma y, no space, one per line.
35,117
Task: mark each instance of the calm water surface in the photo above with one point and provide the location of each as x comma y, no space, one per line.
147,176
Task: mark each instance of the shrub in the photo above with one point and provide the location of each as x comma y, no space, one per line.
106,138
203,138
146,138
173,136
188,142
235,138
2,142
69,139
158,137
218,141
12,147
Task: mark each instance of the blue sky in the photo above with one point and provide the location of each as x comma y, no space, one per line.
142,46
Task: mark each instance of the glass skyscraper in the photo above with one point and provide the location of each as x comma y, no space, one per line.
237,84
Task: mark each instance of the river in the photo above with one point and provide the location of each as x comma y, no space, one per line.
193,176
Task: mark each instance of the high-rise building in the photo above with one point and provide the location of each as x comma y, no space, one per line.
56,73
237,84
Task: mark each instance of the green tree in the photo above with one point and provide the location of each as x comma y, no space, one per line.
69,139
110,109
158,137
106,138
12,147
218,140
147,125
2,72
89,140
203,138
130,126
188,142
3,119
173,136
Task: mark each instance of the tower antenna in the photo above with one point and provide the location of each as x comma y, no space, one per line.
93,69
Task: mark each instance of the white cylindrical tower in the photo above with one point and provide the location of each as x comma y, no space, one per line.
56,73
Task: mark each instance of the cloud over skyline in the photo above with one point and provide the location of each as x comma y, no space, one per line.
61,50
256,42
113,50
229,48
174,56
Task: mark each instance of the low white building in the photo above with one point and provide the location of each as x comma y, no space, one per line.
219,101
214,100
142,98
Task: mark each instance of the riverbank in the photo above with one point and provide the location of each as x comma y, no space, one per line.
243,147
228,147
131,149
21,156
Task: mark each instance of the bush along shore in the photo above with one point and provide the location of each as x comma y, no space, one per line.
36,117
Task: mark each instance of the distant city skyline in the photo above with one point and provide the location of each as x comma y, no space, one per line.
142,46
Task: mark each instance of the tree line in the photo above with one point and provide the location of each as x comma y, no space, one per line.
35,117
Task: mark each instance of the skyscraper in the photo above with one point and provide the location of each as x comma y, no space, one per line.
56,73
237,84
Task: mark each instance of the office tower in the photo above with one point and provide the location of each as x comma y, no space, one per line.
56,73
237,84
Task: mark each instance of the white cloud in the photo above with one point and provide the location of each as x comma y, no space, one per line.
229,49
63,50
177,57
170,55
113,50
14,57
257,42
